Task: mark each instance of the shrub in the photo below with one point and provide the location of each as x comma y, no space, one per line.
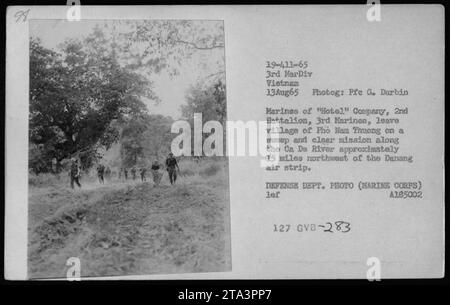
186,172
210,170
47,179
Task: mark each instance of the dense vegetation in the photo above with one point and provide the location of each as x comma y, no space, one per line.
89,94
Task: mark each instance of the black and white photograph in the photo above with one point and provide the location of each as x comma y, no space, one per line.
230,146
105,189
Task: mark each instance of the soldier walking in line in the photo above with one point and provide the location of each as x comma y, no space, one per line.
101,173
133,172
172,168
108,173
74,173
157,175
125,173
142,172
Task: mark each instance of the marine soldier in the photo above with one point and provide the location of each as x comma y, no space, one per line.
101,173
133,172
108,173
142,172
74,173
157,175
172,167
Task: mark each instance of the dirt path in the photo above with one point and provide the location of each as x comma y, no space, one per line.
130,228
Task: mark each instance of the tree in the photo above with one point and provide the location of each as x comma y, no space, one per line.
76,95
210,100
154,45
158,136
132,137
144,139
83,96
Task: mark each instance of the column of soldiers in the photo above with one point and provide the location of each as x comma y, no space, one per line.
103,172
171,166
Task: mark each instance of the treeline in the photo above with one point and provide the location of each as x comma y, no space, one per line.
80,98
145,139
88,95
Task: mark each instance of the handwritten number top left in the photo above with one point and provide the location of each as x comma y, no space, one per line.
21,15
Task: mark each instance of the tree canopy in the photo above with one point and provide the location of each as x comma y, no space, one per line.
76,95
90,92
